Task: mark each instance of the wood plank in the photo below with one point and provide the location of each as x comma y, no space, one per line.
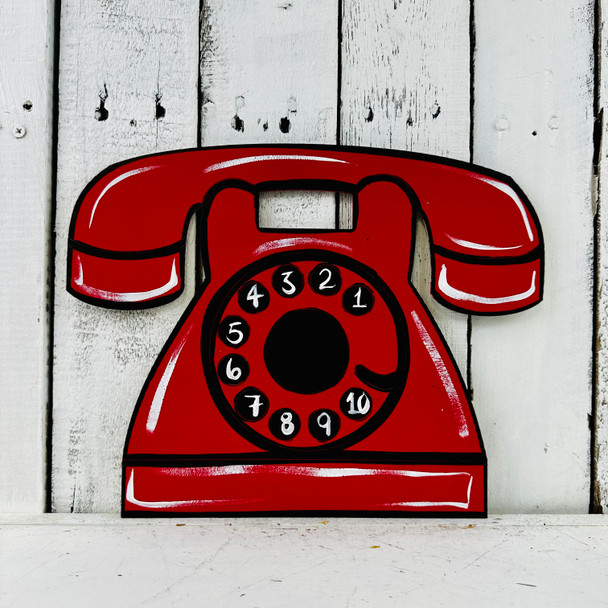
26,73
95,344
505,561
128,86
533,120
405,85
269,74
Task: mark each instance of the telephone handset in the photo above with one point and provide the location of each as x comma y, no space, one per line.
307,374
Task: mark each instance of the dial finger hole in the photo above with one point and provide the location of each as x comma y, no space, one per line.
251,404
233,331
324,424
233,369
358,299
356,404
253,297
284,424
288,281
325,279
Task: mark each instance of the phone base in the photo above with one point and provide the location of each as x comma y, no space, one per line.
305,488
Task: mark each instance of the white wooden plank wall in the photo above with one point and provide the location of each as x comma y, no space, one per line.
26,73
405,85
600,455
533,119
119,61
269,73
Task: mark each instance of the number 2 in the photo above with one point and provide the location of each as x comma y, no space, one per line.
325,284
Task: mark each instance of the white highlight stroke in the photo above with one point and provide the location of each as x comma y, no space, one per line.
161,389
265,157
444,374
293,242
304,471
425,503
459,295
480,246
117,181
168,504
130,296
513,196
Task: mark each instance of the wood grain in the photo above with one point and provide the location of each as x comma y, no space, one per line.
26,76
128,86
532,371
269,74
405,85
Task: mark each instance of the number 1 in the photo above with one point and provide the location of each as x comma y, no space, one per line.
358,298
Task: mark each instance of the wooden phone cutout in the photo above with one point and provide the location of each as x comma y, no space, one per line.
306,375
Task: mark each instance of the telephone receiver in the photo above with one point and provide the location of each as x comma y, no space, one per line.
306,375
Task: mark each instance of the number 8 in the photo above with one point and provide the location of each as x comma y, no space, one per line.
287,426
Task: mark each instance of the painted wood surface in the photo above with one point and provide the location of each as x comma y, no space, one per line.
127,81
272,72
533,119
68,560
269,74
26,78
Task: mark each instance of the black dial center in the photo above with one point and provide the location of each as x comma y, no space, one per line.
306,351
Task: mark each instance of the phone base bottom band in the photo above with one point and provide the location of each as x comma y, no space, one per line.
305,488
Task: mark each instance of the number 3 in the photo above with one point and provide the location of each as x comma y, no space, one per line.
291,288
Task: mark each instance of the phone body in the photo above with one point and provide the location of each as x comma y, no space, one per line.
306,376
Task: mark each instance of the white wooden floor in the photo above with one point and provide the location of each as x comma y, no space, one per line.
101,560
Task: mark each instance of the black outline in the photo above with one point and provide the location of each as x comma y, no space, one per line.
141,254
472,459
371,513
287,456
201,210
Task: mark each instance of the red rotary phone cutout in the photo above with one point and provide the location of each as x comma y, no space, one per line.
306,375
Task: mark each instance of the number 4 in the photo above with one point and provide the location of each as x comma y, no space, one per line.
254,296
